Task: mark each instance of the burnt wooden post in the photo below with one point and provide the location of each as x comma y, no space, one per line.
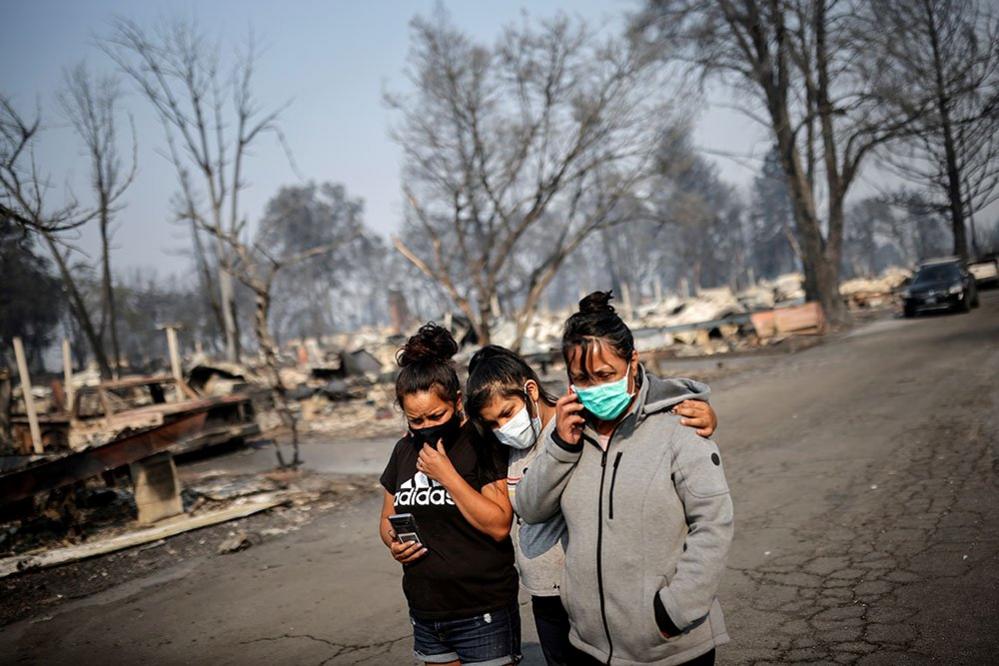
5,395
156,487
67,371
29,400
174,350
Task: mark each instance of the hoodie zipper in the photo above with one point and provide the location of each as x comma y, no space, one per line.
617,461
600,535
600,548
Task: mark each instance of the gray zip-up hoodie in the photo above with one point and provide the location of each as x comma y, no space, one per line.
649,523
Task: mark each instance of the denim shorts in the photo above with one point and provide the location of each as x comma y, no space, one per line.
490,639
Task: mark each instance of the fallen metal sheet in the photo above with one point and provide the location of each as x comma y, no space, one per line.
219,435
166,528
48,473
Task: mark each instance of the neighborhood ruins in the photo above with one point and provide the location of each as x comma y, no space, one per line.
76,437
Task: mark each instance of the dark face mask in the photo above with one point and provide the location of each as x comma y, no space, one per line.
447,431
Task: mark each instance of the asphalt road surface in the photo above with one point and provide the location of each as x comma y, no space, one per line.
864,474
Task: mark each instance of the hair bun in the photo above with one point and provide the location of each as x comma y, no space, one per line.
431,343
597,302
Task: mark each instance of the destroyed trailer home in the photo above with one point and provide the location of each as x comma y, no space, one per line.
135,426
100,414
137,423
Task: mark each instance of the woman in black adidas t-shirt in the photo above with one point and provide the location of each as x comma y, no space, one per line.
460,581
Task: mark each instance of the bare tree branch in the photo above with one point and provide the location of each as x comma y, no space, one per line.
211,121
499,141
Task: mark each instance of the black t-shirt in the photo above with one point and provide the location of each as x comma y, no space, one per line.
465,572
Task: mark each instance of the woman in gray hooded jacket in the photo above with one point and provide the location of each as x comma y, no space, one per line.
505,398
645,501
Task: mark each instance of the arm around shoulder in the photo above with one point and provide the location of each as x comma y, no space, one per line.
539,493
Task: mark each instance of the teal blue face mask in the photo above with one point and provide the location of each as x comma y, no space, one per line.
605,401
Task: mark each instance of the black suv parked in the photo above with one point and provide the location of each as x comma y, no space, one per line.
941,284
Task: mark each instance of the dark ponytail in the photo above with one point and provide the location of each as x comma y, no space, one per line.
426,365
597,322
497,371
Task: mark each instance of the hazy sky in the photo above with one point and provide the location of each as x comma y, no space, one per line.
332,59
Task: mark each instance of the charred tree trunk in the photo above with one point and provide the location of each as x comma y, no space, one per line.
819,261
483,329
227,301
79,309
955,199
208,286
836,181
270,353
108,287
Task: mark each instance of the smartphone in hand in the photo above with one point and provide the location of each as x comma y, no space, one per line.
404,525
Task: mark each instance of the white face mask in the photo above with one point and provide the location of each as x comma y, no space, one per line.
520,432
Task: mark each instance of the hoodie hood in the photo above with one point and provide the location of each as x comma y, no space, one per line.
660,395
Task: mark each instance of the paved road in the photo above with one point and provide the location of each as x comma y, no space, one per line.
864,473
356,456
865,483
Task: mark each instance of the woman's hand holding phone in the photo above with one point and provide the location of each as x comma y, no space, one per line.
407,552
569,420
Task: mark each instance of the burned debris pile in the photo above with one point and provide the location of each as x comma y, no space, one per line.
721,320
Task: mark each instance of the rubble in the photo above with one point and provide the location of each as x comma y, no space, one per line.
107,520
361,363
371,417
985,271
293,377
875,292
235,542
330,369
220,487
170,527
221,378
787,288
341,385
757,297
649,339
137,422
